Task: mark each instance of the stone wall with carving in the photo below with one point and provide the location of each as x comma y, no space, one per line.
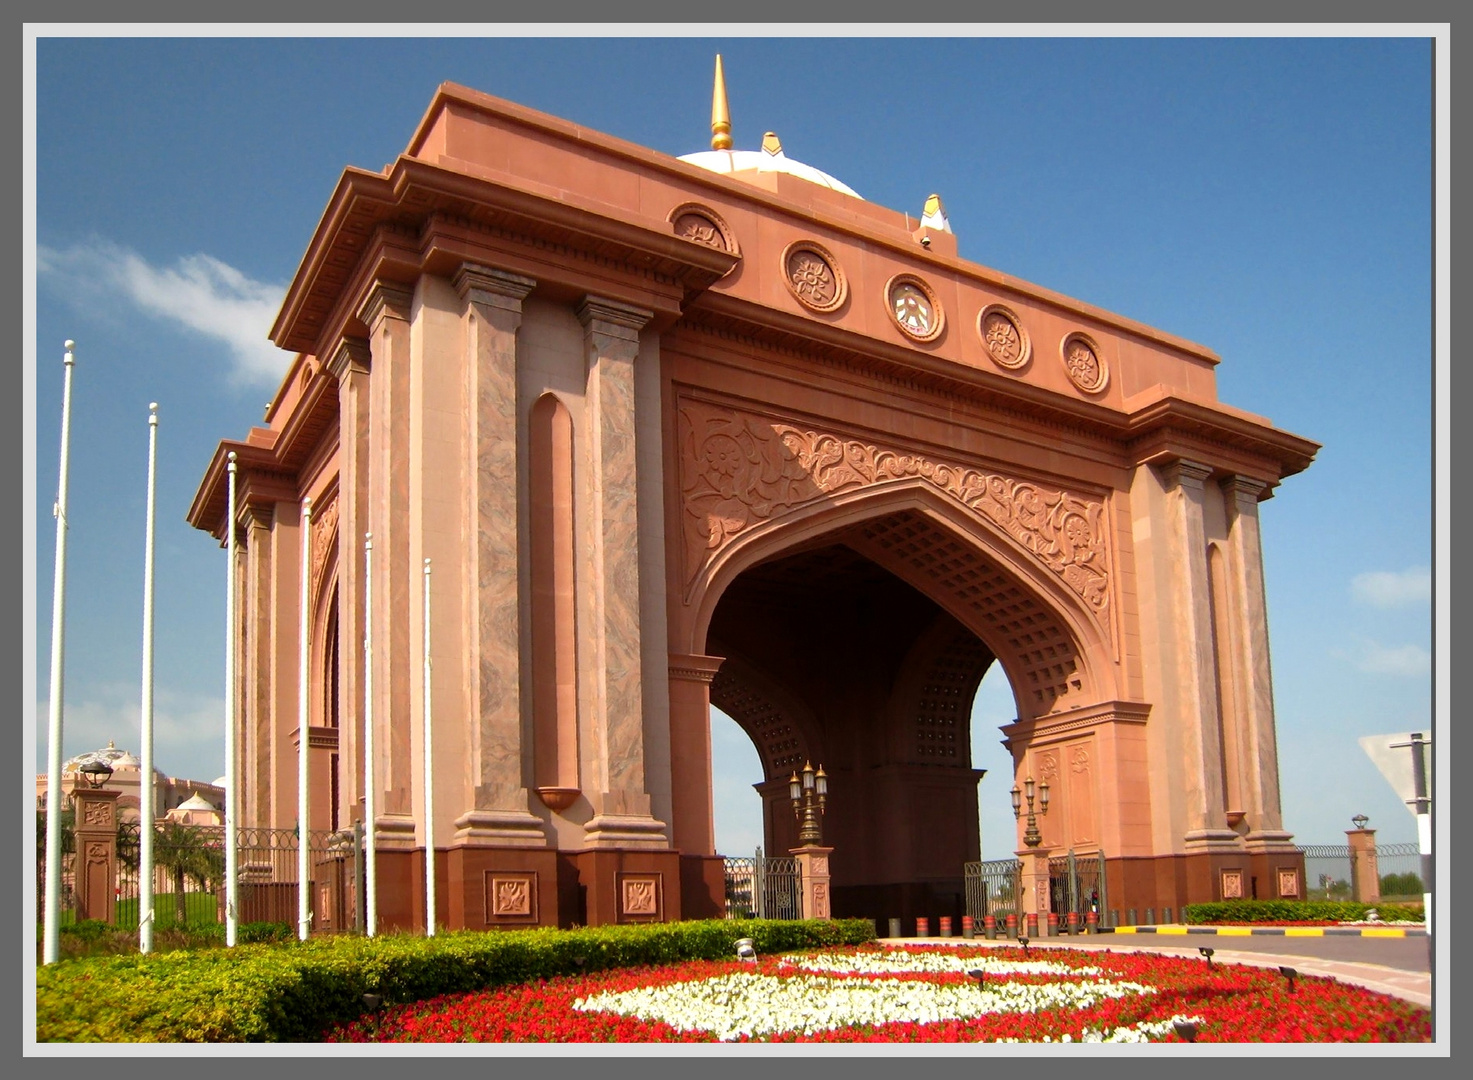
739,470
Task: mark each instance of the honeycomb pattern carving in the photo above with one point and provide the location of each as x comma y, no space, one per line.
944,712
779,743
1038,651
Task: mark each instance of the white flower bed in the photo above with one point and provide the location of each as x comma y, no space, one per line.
751,1004
1144,1032
898,961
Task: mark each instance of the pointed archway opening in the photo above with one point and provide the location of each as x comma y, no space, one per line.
863,650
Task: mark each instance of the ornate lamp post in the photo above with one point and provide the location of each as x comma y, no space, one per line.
95,831
1360,821
809,796
1031,837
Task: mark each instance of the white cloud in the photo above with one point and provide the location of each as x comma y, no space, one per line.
1393,588
188,729
1395,659
199,292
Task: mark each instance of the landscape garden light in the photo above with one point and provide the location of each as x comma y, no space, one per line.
979,975
1207,952
746,950
1185,1029
1024,942
1290,974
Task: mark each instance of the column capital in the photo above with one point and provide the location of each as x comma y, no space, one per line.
351,357
1183,473
602,316
385,300
1244,490
496,288
701,669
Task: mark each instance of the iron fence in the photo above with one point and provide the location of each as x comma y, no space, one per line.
762,887
1077,887
189,876
993,888
1329,871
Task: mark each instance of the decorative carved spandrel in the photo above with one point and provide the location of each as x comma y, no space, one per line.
739,470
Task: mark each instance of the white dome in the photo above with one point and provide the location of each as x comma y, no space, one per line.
739,161
218,782
196,802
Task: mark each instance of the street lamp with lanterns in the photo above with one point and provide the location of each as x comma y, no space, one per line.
809,794
1031,837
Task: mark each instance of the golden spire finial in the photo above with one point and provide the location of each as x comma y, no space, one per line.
771,144
720,114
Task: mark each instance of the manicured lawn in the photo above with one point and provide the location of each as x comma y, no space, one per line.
910,994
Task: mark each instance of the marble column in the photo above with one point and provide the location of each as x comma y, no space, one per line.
349,364
692,819
493,313
386,314
1195,675
255,669
610,568
1255,696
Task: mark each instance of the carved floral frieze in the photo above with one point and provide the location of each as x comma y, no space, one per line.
739,470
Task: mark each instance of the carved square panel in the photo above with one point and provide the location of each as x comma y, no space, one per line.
511,896
1288,882
1232,884
641,897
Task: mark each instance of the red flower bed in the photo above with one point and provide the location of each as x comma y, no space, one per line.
1235,1003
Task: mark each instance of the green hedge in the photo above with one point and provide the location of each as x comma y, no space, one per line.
293,992
1291,911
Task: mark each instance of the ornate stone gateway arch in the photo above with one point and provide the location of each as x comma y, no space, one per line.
716,429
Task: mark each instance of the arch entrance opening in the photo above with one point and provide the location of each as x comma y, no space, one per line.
863,650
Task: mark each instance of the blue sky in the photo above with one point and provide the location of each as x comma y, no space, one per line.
1269,198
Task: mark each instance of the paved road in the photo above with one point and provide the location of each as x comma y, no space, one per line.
1396,966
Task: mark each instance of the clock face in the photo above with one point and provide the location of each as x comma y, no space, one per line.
912,309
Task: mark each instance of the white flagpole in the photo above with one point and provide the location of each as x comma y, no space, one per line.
304,917
429,776
231,783
53,732
146,793
370,794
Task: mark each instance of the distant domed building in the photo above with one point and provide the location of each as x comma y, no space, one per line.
170,792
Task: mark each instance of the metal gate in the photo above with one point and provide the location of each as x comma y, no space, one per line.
1077,887
993,888
762,888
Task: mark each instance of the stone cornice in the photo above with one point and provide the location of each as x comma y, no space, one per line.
601,315
496,288
1050,726
694,668
364,202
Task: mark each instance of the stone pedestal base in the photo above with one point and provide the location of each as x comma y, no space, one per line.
813,873
628,886
501,887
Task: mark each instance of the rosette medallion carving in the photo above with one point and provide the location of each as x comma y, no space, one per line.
1083,363
739,470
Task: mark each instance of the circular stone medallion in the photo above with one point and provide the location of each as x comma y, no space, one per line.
813,276
913,306
702,225
1003,337
1082,361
